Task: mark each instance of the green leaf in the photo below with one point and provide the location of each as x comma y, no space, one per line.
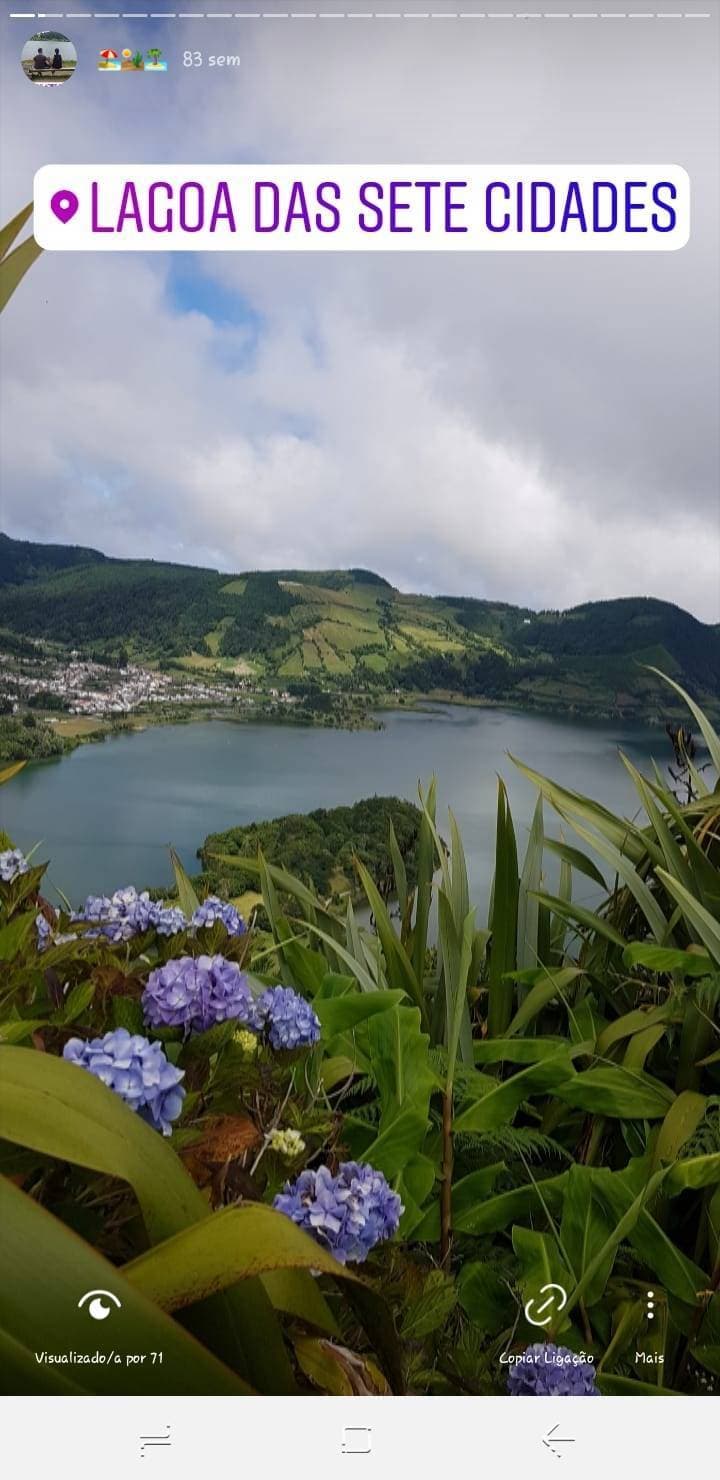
665,962
699,918
541,1263
584,1232
398,965
621,833
652,1244
13,228
485,1297
549,984
616,1091
499,1106
712,739
577,860
15,935
16,1030
237,1244
187,898
76,1003
696,1171
469,1195
14,266
46,1265
503,946
576,914
60,1110
631,878
342,1013
528,909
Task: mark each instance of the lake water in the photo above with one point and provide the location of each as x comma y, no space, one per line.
105,814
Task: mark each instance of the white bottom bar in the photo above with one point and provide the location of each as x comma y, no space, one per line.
366,1438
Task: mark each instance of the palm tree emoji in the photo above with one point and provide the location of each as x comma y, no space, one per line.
155,54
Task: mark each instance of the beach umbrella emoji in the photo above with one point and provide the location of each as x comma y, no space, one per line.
107,56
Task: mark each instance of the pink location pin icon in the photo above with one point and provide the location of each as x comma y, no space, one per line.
64,204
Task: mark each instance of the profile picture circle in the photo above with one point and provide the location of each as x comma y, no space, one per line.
48,58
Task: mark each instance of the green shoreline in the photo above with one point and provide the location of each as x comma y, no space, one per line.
366,718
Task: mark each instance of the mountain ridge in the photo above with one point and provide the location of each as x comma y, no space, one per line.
353,630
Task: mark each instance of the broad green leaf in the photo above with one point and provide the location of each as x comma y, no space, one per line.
60,1110
679,1124
500,1105
187,898
541,1263
549,985
485,1297
584,1232
15,935
696,1171
613,1090
237,1244
665,962
677,1273
469,1195
338,1014
47,1267
633,1022
17,1030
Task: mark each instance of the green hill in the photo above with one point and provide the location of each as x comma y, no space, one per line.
351,631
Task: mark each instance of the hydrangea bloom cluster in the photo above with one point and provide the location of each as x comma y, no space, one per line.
46,936
549,1371
348,1214
13,863
126,913
213,910
136,1070
195,994
288,1019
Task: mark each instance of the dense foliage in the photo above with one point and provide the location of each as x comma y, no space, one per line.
351,631
434,1130
319,846
27,738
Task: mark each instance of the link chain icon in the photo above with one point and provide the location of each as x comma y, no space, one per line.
556,1300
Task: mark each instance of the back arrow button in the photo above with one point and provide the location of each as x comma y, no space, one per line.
552,1440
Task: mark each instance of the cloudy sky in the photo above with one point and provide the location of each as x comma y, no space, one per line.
536,429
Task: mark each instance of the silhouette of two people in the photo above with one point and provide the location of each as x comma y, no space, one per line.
43,63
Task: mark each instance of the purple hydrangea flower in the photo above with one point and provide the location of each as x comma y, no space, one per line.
13,863
126,913
136,1070
288,1019
348,1214
197,994
213,909
47,936
549,1371
44,932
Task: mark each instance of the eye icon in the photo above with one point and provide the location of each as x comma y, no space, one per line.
96,1309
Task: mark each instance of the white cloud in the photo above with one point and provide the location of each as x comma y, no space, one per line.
537,430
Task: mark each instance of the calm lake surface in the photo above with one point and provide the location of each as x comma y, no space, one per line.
105,814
